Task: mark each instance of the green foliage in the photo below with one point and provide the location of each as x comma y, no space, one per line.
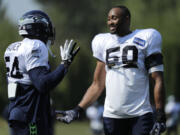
75,128
8,34
83,19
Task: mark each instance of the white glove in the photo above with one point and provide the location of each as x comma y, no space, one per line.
68,52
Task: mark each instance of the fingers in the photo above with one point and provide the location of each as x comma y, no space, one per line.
64,119
66,45
60,119
72,47
163,127
60,112
68,51
62,51
155,130
71,44
76,51
152,132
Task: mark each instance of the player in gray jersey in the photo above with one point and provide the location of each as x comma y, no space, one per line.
126,60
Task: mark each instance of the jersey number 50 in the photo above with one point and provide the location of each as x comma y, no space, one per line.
122,60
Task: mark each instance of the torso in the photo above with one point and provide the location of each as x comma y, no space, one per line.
127,83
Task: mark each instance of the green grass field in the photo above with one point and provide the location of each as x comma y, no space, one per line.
75,128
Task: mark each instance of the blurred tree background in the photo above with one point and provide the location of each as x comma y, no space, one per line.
81,20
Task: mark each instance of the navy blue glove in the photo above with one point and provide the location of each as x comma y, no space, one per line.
160,124
70,115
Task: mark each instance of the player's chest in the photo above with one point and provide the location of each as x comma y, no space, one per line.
124,52
124,47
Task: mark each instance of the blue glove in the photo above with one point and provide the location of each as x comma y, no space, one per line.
160,124
70,115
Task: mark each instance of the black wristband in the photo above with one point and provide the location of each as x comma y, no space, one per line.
160,116
79,109
65,63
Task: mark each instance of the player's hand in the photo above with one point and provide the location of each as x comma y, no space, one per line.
70,115
160,124
68,52
158,128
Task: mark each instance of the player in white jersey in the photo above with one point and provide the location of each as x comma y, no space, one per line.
125,61
29,77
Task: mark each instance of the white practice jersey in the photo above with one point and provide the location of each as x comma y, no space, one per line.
20,57
127,81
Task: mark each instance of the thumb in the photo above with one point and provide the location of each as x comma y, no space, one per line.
60,112
75,51
63,119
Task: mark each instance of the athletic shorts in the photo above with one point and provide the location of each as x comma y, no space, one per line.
141,125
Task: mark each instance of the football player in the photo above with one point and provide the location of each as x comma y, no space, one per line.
126,60
29,76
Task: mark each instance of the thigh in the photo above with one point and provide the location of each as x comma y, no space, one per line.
116,126
44,128
19,128
142,125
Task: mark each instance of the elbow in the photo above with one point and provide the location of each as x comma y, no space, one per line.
41,86
42,89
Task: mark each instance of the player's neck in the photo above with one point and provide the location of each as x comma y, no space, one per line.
124,33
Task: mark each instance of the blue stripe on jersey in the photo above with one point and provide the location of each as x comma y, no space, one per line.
139,41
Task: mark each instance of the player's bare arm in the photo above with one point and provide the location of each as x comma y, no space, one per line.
159,90
159,98
97,86
92,94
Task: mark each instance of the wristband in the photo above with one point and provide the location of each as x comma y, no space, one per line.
160,116
79,109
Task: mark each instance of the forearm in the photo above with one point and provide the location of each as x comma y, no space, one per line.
44,80
97,86
56,76
92,94
159,96
159,93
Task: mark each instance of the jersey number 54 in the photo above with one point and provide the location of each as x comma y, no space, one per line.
13,71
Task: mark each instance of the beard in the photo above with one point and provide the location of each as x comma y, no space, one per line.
116,29
113,29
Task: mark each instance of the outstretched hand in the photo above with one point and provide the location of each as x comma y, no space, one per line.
68,53
68,116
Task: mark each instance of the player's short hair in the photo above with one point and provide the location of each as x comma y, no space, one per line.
125,9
